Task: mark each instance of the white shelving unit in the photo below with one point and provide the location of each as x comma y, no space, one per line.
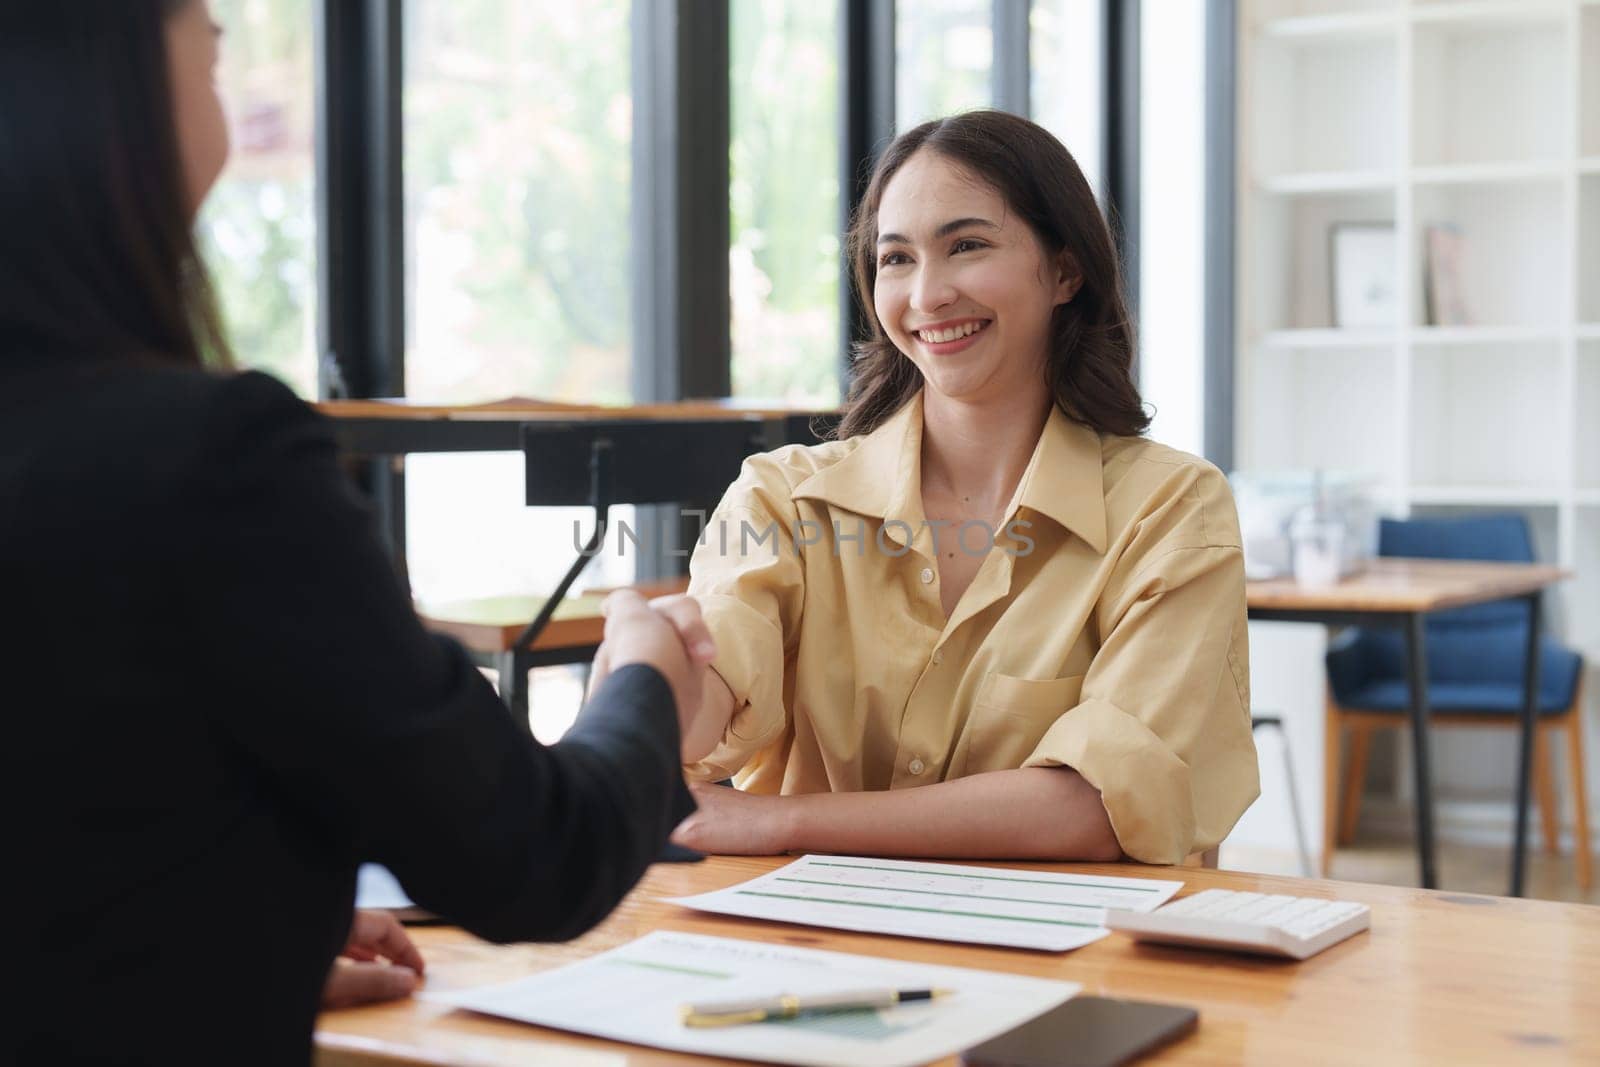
1482,116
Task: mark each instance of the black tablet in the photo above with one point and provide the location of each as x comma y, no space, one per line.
1086,1032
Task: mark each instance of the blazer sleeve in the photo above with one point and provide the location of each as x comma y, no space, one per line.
381,736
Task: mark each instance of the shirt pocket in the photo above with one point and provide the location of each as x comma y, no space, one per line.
1009,717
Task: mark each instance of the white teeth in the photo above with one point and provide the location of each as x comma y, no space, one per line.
952,334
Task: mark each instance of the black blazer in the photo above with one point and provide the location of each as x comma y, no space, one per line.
218,701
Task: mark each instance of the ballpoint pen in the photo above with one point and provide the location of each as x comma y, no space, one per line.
789,1006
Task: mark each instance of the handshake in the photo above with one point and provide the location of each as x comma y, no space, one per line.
667,633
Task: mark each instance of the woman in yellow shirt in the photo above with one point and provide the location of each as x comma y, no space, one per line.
989,619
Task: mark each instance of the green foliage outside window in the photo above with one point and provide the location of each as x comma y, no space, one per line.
784,200
517,158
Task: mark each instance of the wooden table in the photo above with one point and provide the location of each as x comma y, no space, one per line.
1392,592
397,426
1440,978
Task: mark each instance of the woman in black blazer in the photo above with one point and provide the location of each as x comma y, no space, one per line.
217,698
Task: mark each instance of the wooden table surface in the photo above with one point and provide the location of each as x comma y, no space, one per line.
1441,978
1389,584
524,408
495,623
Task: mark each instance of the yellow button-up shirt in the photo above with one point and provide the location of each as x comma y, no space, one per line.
1103,631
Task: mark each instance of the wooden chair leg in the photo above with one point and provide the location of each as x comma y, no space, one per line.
1580,791
1355,774
1332,735
1545,791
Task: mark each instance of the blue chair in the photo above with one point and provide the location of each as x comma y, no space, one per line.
1475,661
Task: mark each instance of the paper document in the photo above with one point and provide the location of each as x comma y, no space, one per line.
944,902
377,888
635,993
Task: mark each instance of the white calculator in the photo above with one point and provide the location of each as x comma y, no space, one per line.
1260,923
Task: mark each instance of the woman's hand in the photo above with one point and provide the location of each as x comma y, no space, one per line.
666,633
731,822
379,962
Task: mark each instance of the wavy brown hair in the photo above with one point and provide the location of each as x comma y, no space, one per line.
100,255
1091,338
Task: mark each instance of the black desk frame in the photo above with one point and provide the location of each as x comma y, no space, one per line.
386,441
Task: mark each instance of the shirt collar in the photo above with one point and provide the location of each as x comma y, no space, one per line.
1065,479
882,475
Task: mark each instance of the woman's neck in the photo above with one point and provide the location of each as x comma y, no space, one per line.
979,451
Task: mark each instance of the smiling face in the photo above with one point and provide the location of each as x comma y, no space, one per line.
963,287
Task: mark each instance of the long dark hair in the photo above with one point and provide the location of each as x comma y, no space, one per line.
100,253
1091,338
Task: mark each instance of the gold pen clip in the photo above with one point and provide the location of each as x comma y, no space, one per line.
694,1018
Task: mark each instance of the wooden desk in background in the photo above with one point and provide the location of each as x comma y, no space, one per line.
1440,978
395,427
1392,592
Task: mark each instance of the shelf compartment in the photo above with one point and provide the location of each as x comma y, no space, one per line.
1506,268
1327,408
1334,26
1332,108
1316,183
1482,12
1582,593
1589,91
1269,12
1485,417
1490,90
1285,340
1483,496
1488,173
1290,281
1483,335
1589,248
1588,416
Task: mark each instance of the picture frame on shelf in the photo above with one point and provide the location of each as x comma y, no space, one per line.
1444,256
1362,265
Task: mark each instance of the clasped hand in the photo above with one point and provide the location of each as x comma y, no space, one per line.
669,634
378,962
666,633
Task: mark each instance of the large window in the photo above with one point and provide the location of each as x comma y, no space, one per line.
944,50
784,200
518,126
1172,223
258,229
1066,77
518,122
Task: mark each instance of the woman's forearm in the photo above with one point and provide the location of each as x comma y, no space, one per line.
716,710
1045,813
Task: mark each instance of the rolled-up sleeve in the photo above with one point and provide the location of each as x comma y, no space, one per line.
1162,728
747,575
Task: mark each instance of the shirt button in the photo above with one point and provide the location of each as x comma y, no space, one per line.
938,656
927,576
916,766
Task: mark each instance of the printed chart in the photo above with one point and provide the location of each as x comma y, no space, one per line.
943,902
